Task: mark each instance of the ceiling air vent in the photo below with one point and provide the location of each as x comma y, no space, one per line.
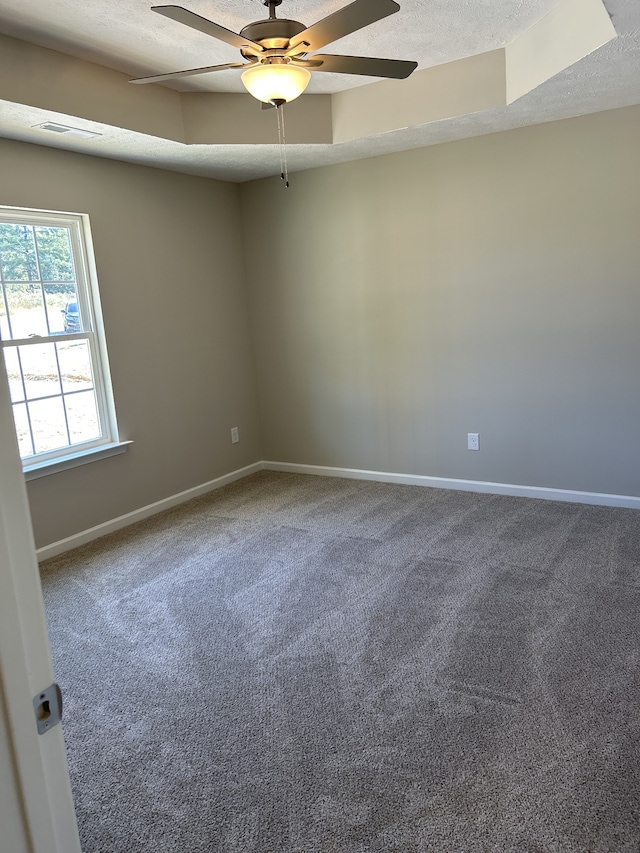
65,130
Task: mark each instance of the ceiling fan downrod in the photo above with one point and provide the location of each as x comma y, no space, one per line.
272,7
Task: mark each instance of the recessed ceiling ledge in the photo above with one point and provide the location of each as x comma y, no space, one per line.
72,88
54,81
214,118
432,94
574,29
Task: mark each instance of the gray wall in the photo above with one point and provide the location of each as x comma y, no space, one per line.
490,285
171,273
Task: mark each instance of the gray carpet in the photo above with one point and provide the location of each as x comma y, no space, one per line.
299,664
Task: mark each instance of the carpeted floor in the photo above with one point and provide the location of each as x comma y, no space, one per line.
298,664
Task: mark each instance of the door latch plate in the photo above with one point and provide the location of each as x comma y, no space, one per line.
48,708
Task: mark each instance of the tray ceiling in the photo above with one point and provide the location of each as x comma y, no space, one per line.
600,73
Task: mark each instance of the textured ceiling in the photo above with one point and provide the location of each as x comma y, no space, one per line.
126,36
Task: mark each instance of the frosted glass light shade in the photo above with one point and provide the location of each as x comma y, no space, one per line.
270,83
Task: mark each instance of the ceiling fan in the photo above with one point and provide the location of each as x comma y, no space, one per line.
277,51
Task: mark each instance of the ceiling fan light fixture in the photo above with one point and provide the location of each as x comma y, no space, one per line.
271,83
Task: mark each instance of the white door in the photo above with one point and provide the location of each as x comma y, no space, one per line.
36,809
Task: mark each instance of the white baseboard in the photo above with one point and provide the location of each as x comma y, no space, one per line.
595,498
92,533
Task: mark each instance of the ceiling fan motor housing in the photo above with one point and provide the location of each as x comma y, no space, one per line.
272,33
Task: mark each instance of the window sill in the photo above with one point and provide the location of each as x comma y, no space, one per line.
73,460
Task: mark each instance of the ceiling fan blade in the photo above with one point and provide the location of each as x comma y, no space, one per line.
353,17
312,62
190,19
172,75
398,69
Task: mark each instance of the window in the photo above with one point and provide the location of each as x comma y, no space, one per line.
52,339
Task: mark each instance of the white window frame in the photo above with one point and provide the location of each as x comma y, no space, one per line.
89,307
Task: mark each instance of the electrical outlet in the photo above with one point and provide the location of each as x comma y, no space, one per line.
473,441
235,436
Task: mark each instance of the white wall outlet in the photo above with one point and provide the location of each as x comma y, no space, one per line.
235,435
473,441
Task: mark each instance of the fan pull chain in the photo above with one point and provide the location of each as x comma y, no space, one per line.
282,142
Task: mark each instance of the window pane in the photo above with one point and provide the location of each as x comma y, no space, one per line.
71,322
82,415
4,322
48,424
14,374
24,270
18,259
40,370
58,298
54,253
22,429
26,310
75,365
